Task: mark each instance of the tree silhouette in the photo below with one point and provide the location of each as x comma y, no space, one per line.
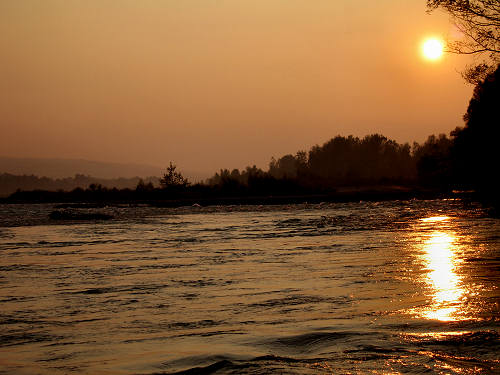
433,161
479,22
172,178
475,150
143,187
284,167
352,161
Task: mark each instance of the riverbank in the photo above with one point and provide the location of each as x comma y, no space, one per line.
179,199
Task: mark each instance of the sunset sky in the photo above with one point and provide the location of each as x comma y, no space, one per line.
215,84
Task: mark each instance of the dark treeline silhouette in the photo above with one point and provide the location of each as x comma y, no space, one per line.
466,160
470,158
351,161
475,152
340,162
432,161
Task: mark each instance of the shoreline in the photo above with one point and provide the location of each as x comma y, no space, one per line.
347,195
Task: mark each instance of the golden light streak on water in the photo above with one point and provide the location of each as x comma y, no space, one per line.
441,263
435,335
434,219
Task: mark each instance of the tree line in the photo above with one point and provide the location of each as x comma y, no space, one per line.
341,161
467,159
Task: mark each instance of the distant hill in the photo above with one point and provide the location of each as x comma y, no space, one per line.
61,168
9,183
67,174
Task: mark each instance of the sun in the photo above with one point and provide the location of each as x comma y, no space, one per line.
432,49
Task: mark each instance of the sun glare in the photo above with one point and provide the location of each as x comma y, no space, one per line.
432,49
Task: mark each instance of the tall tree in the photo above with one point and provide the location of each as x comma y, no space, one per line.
479,22
475,151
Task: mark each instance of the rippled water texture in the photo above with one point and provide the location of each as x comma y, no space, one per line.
393,287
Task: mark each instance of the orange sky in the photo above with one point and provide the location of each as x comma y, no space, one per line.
218,83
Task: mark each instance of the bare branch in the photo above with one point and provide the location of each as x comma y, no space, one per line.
479,22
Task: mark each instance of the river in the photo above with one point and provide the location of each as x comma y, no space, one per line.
341,288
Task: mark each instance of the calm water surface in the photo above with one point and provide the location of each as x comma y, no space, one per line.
393,287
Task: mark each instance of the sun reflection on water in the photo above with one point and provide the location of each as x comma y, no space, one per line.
439,255
434,219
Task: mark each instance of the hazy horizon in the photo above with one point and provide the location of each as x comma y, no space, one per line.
223,84
57,168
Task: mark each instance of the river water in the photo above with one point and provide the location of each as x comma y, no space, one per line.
348,288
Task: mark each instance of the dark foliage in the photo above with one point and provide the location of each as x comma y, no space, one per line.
475,154
340,162
173,179
433,162
353,161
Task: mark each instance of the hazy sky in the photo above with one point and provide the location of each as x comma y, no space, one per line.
218,83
